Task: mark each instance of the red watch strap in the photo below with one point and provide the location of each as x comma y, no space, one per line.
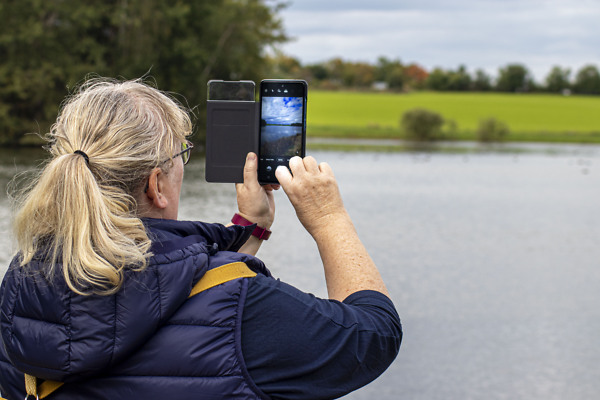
261,233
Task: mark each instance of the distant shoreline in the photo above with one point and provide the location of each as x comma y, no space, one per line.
531,118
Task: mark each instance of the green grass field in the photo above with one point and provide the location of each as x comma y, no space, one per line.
530,117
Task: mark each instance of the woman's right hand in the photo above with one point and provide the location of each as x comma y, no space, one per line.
313,191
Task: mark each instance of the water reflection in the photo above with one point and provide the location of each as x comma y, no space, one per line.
490,256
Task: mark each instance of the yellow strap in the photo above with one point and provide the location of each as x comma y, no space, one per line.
45,389
31,385
222,274
48,387
212,278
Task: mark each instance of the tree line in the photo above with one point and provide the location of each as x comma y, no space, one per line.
388,74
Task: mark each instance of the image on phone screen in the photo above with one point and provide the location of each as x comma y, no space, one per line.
282,125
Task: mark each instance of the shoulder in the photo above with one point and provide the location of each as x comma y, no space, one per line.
280,298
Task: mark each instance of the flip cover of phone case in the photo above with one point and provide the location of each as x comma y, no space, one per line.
231,132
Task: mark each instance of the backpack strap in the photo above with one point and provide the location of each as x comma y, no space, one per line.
45,389
211,278
222,274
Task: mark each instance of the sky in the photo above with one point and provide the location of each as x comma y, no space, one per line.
480,34
282,110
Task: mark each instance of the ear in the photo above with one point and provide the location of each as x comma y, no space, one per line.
155,186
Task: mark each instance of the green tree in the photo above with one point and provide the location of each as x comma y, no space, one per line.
48,46
558,79
390,72
318,71
514,78
438,79
587,80
481,82
336,67
358,75
459,80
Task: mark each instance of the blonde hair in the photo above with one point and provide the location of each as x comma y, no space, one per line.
83,213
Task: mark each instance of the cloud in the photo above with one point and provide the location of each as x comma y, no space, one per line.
485,34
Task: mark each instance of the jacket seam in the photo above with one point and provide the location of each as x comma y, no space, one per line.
203,324
238,341
43,321
13,308
114,338
69,331
158,294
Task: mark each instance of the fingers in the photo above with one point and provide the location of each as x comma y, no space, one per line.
325,168
307,165
300,166
296,165
310,164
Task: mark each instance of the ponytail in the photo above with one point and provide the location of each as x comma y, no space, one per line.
81,210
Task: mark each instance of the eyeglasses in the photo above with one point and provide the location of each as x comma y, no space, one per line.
185,153
186,150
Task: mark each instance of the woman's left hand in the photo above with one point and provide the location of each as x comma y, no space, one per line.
255,202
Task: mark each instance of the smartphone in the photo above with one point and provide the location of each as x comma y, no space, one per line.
282,129
231,129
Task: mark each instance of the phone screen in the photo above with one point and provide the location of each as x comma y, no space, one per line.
282,133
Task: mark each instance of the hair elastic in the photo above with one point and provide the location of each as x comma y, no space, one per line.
81,153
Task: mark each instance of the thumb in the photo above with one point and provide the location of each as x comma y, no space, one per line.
250,169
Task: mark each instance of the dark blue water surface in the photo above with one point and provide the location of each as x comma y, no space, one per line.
491,257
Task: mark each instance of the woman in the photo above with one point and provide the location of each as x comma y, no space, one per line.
103,297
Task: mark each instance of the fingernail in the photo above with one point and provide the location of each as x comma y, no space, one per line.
251,156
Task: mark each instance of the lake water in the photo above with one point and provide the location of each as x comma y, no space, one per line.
491,257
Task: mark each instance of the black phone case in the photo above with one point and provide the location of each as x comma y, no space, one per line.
231,133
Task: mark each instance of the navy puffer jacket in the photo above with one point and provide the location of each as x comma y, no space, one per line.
147,341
